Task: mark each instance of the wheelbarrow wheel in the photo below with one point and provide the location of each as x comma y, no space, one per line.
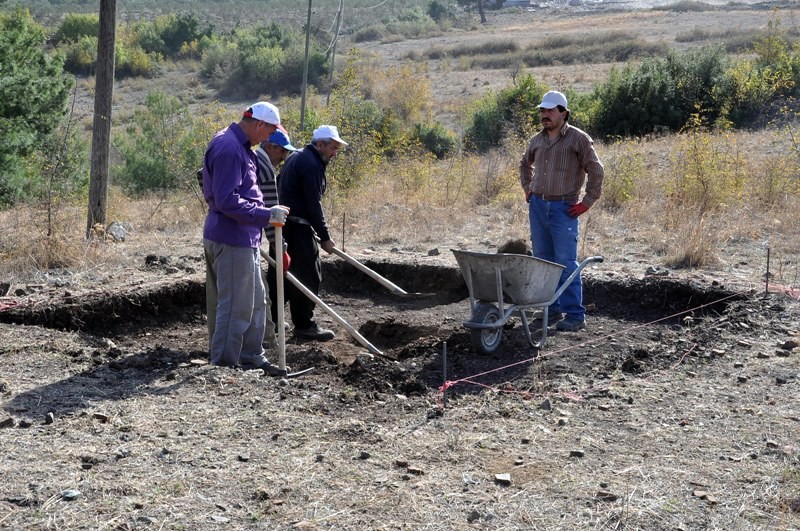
486,340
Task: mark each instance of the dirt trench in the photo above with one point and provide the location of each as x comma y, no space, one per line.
634,325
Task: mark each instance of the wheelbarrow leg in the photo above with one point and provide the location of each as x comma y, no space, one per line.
535,344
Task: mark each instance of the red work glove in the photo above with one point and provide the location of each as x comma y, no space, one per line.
576,210
287,261
528,195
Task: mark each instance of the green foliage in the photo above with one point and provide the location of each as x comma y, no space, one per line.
439,11
661,94
514,111
708,171
163,147
168,34
130,59
359,122
261,59
75,26
436,138
624,167
33,97
412,22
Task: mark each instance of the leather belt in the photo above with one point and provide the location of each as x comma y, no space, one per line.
546,197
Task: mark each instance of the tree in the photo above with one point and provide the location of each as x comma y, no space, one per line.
33,96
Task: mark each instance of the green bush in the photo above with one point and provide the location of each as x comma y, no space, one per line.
661,94
161,149
80,55
74,26
259,60
33,98
436,138
514,111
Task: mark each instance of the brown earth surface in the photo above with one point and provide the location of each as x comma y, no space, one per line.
677,407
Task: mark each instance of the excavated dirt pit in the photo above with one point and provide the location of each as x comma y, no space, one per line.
634,326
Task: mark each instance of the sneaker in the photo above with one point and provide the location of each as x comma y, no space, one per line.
571,325
315,332
552,317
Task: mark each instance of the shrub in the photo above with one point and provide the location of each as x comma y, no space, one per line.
513,111
661,94
624,167
260,59
436,138
164,145
74,26
33,97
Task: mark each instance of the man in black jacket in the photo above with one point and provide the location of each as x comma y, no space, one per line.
301,186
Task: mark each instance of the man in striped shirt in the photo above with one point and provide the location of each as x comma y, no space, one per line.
558,162
270,154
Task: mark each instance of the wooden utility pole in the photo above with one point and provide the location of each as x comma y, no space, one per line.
333,53
101,128
305,72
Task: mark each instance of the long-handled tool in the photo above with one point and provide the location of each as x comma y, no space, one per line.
281,329
394,288
308,293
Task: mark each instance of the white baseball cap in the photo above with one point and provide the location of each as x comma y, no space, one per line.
327,132
266,112
552,100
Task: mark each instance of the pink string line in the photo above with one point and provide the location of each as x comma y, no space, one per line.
571,394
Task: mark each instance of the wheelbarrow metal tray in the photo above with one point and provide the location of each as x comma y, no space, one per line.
525,280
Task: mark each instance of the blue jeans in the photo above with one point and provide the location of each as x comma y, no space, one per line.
554,237
236,305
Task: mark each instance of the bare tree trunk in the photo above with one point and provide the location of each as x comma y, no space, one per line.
480,10
101,128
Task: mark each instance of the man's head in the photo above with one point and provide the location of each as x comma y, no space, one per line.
277,147
327,141
259,121
553,110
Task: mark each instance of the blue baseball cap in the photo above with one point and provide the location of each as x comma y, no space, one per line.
281,139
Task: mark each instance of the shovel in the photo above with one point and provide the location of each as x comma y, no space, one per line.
394,288
308,293
281,329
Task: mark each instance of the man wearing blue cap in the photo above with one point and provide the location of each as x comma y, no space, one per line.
270,154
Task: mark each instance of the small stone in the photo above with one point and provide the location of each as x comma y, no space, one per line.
603,407
742,379
7,423
473,517
364,455
402,463
49,418
101,417
433,252
780,380
70,494
772,444
605,496
562,421
576,453
415,471
503,479
790,344
763,355
220,519
243,457
783,353
199,362
546,405
518,461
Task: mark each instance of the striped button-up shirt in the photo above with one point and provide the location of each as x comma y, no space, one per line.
268,186
560,166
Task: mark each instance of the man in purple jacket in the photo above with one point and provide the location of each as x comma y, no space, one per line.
235,297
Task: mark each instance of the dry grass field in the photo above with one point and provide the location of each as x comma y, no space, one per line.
677,408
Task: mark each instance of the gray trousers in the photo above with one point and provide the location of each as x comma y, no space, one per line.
235,305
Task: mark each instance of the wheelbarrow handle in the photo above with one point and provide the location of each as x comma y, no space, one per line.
566,283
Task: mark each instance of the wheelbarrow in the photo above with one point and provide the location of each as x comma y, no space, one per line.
502,284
